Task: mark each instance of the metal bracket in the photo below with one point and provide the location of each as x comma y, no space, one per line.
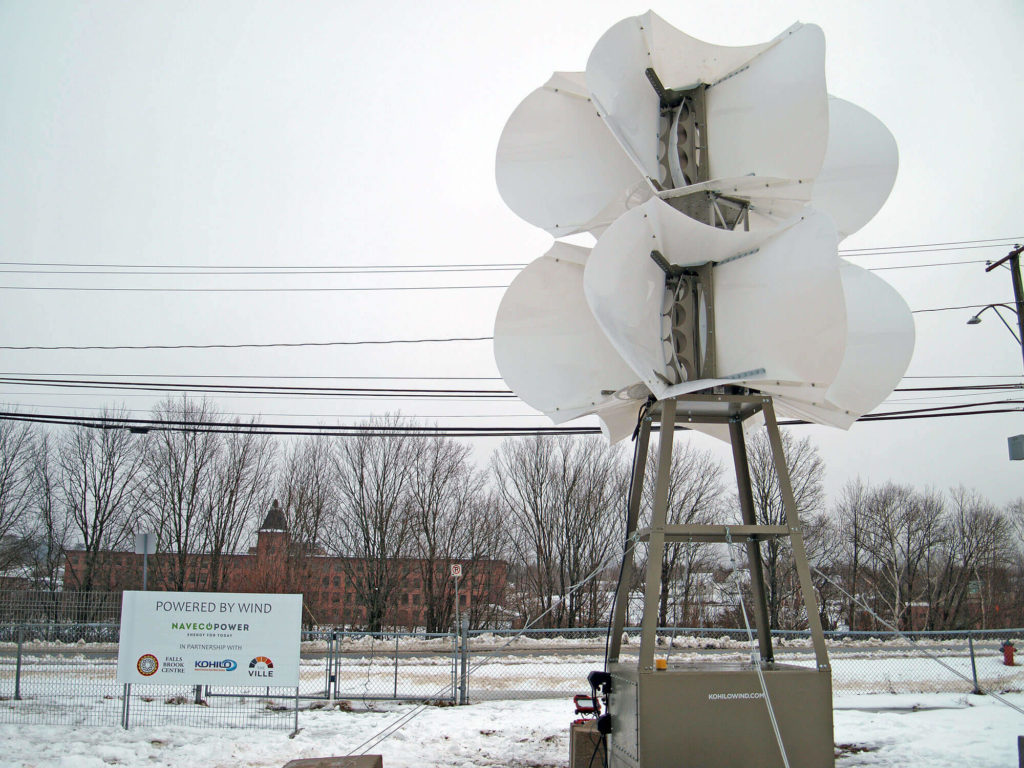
667,98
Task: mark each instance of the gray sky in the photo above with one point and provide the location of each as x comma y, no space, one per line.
343,133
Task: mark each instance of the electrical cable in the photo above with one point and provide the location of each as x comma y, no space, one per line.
249,388
128,385
258,376
254,345
396,725
247,290
629,495
146,271
914,643
321,430
992,242
947,309
754,658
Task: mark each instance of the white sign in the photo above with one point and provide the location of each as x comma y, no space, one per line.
145,544
209,638
456,570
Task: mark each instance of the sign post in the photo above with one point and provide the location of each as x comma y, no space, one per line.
145,545
456,573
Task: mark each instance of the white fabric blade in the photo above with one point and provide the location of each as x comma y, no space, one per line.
557,165
626,289
859,169
548,347
620,88
771,117
780,313
880,342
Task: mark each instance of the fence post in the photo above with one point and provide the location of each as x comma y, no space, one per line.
463,699
127,704
199,694
331,680
295,732
17,669
396,665
455,666
974,668
337,664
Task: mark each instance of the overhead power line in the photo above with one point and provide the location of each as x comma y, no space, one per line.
361,342
253,388
250,388
351,430
955,245
247,290
256,376
254,345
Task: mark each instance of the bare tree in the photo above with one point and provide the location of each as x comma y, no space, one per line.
850,514
591,484
696,492
373,521
238,493
17,449
525,486
900,527
973,542
180,470
51,525
806,471
307,490
443,491
563,498
100,475
486,541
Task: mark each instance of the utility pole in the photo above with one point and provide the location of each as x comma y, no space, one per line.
1018,291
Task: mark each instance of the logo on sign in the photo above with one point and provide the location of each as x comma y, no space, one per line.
456,569
226,665
261,666
147,665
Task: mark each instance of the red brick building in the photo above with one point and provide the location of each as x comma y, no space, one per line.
336,590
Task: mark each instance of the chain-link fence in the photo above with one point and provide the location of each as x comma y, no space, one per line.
65,608
545,663
66,674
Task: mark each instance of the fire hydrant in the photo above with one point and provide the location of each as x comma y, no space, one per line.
1008,648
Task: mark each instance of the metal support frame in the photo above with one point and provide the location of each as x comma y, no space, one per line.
749,515
731,409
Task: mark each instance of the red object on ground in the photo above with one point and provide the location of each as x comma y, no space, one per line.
1008,649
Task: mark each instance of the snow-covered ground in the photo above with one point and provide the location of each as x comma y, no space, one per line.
945,730
892,708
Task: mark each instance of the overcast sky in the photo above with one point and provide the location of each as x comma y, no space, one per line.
332,134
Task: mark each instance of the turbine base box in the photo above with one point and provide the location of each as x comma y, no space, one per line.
715,716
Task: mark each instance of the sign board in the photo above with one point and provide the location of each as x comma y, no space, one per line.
209,638
456,570
1016,444
145,544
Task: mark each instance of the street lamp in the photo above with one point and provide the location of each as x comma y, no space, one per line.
1013,257
976,319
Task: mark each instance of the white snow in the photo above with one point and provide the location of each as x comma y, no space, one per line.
946,730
